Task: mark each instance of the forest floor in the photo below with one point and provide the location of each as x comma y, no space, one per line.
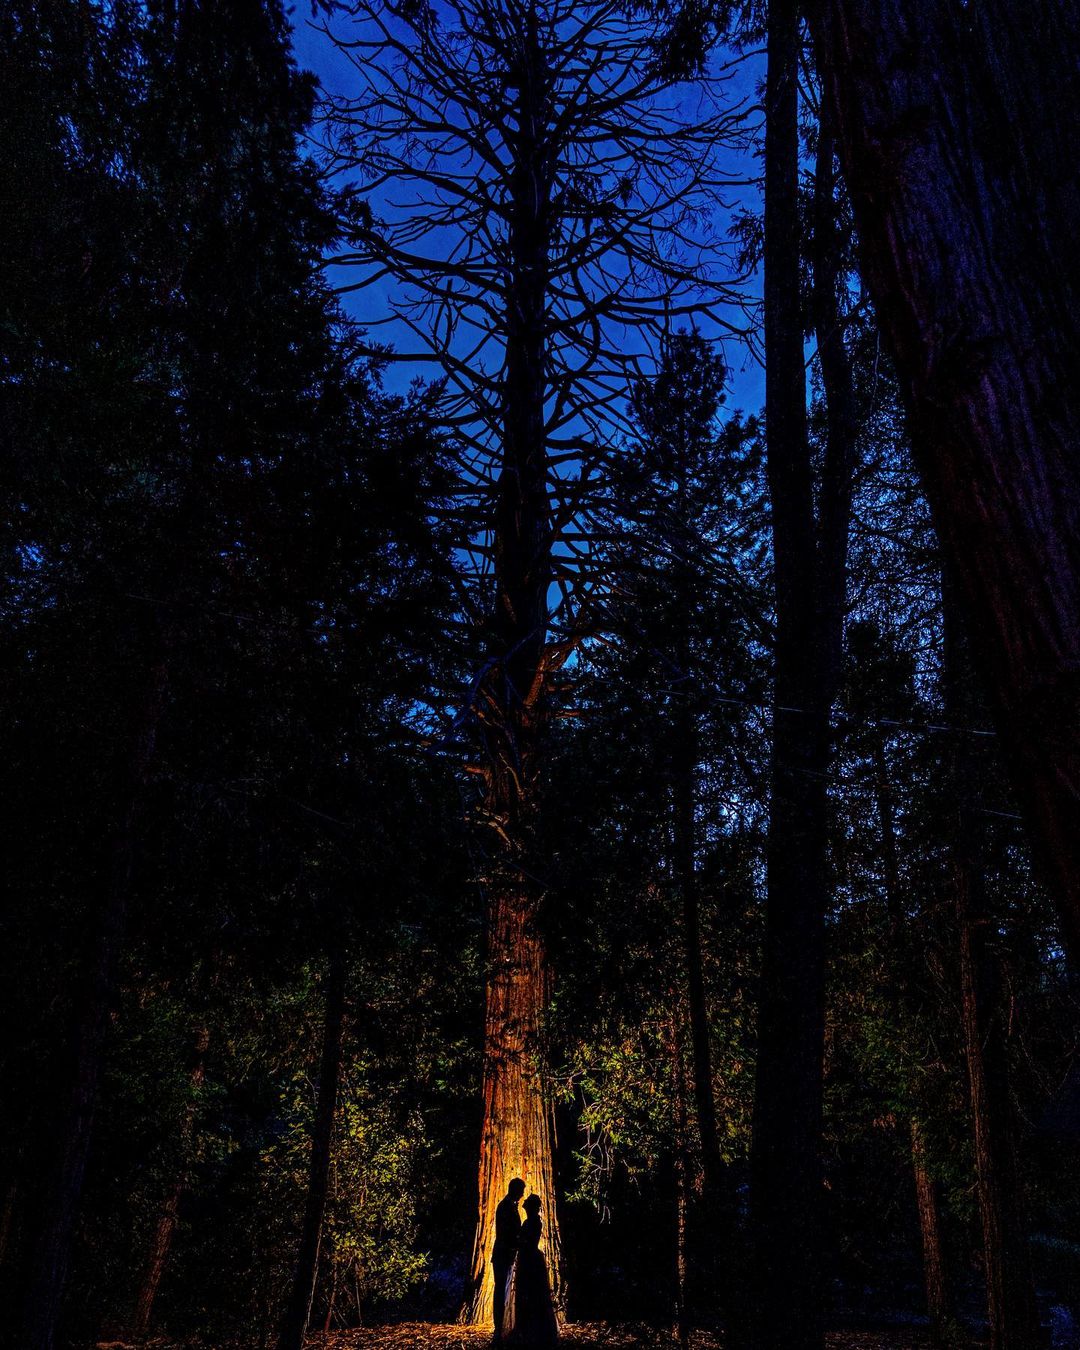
576,1336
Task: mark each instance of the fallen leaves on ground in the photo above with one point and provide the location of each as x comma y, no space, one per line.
586,1335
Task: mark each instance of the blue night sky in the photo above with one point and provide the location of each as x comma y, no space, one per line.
316,52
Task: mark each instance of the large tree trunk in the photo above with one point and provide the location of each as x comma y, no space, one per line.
809,551
63,1188
960,128
517,1138
165,1228
1010,1293
517,1135
298,1308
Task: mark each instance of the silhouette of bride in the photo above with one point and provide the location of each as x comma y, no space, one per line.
530,1312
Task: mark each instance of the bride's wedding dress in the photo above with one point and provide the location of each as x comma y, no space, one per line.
530,1312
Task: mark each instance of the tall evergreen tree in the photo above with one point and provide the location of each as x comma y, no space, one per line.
553,212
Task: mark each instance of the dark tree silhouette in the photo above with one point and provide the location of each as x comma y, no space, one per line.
966,218
810,535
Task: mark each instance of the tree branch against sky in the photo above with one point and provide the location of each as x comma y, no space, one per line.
638,202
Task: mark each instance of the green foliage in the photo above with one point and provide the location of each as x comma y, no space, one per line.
379,1162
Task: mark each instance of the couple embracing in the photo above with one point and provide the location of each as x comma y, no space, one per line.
524,1312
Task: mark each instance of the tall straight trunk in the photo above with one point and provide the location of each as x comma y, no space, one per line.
1010,1295
809,550
928,1200
684,838
165,1228
63,1188
298,1308
719,1203
517,1133
960,131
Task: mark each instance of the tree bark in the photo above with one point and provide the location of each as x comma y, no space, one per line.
517,1132
63,1188
960,131
298,1308
517,1138
809,549
928,1200
165,1228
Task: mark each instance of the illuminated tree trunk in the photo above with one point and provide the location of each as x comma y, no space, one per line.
517,1130
960,132
517,1133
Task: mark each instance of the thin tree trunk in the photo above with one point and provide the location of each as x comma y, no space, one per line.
165,1228
681,1170
298,1308
684,794
928,1200
719,1204
63,1192
960,130
1010,1293
809,552
517,1133
927,1192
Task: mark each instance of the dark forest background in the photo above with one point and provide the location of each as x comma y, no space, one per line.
260,783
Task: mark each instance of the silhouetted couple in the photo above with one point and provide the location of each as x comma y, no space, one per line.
524,1312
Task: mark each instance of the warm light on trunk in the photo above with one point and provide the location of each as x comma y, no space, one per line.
517,1138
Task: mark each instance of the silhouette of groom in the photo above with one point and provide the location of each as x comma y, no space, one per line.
507,1228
